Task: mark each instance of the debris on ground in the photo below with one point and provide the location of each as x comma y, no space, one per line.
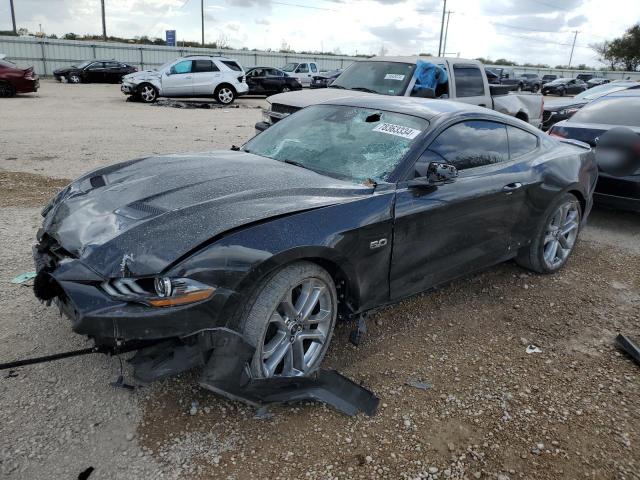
24,277
533,349
418,384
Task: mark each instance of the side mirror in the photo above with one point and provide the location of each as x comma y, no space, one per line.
261,126
618,152
437,174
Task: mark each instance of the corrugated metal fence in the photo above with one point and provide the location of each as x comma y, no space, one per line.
48,54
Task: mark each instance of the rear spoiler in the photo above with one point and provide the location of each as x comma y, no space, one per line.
575,143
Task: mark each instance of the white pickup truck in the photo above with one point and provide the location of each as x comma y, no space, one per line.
467,82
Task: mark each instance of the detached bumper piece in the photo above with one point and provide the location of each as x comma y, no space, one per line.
226,373
625,344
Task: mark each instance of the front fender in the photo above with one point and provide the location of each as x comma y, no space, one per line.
339,236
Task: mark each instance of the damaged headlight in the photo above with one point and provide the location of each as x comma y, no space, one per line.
158,291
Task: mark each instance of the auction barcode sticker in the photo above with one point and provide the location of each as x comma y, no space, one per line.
394,76
397,130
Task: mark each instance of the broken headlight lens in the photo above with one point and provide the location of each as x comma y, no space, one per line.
159,291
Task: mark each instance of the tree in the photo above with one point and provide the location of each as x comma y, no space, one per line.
504,61
623,52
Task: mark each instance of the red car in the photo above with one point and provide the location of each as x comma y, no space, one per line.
16,80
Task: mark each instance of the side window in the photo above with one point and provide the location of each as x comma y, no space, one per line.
469,81
182,67
113,65
204,66
314,69
303,68
96,66
520,142
473,143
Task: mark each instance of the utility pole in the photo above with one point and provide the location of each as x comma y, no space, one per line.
104,24
575,35
202,19
13,17
444,8
446,33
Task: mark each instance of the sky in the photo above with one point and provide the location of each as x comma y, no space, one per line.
533,31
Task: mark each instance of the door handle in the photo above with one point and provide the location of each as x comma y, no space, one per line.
482,105
509,189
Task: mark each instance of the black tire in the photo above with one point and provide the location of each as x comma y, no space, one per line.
225,94
6,89
519,88
535,88
74,78
532,256
266,301
147,93
561,92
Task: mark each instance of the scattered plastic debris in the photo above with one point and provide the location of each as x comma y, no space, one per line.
23,277
194,408
533,349
419,384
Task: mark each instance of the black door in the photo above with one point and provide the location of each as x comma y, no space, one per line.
273,80
113,72
447,231
95,72
254,80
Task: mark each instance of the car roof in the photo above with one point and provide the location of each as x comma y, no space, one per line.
418,107
630,92
415,58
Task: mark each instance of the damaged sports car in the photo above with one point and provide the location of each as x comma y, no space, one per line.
332,212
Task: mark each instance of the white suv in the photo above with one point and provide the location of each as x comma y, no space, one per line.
191,76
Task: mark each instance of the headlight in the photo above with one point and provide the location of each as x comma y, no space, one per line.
158,291
567,111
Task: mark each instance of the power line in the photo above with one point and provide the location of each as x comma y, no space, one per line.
305,6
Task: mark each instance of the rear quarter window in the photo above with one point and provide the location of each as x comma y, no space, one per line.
520,142
232,65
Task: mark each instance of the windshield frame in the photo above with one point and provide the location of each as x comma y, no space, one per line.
416,146
404,85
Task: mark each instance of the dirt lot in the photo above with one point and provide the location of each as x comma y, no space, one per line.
492,411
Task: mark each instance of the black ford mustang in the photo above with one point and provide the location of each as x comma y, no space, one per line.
95,71
336,210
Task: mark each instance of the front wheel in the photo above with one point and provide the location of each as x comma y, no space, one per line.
291,320
285,89
225,95
536,88
561,92
147,93
74,78
555,237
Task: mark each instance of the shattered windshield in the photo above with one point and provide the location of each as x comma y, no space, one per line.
385,78
348,143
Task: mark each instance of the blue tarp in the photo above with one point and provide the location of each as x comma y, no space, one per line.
429,75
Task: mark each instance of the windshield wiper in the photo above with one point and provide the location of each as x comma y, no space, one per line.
363,89
337,86
297,164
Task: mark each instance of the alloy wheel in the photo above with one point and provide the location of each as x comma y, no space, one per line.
298,329
561,234
148,93
74,79
285,89
225,95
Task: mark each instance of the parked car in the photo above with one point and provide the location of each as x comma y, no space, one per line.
548,78
94,71
553,113
337,210
594,82
585,77
191,76
492,77
562,86
466,82
612,111
323,80
529,82
301,71
269,80
16,80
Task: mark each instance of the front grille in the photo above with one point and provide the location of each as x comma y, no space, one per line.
286,109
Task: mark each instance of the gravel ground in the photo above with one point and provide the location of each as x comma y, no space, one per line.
491,411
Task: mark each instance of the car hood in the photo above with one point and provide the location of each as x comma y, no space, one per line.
557,106
142,76
304,98
142,215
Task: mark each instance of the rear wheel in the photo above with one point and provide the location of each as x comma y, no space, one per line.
291,321
561,92
6,89
147,93
555,237
225,94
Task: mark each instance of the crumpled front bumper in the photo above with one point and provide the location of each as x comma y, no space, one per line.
78,293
